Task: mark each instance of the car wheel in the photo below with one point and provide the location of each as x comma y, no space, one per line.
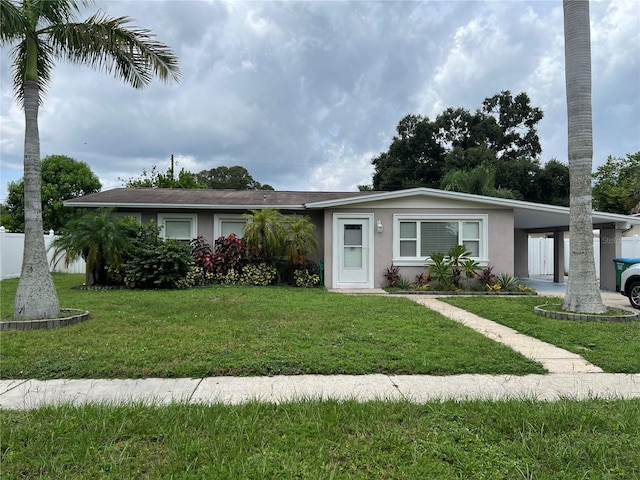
634,294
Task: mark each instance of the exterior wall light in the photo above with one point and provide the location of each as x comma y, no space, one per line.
379,226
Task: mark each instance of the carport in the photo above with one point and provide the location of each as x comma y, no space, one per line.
531,218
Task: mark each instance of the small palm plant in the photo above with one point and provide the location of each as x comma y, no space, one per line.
99,238
264,234
301,239
448,269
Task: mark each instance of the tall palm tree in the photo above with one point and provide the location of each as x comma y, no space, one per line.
42,31
582,294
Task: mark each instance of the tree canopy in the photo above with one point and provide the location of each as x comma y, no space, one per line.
234,178
617,185
62,178
155,179
501,136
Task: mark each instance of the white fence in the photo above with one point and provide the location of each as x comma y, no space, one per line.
541,253
12,247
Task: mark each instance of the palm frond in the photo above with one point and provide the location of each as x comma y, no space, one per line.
56,12
45,65
106,44
13,23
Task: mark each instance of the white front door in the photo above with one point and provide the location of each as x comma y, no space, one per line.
353,254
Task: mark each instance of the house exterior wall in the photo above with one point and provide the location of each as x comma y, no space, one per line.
500,232
500,238
205,222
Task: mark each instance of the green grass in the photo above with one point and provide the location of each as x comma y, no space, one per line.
246,331
613,346
326,440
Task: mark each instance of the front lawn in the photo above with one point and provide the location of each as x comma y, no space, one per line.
246,331
326,440
613,346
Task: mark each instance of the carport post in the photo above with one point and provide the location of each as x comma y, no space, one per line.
558,256
610,248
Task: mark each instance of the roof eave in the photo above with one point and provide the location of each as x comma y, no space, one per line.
177,206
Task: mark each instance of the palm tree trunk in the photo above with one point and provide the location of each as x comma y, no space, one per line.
36,297
583,294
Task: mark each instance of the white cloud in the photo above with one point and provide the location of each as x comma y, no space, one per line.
304,94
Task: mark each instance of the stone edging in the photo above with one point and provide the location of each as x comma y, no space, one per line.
585,317
444,293
75,316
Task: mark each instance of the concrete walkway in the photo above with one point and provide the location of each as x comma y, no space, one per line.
26,394
554,359
571,377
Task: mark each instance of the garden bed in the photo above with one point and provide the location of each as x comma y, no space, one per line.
458,292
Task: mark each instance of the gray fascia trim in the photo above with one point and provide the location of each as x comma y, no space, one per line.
180,206
500,202
429,192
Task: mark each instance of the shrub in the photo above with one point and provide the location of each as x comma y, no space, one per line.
288,274
229,254
196,276
440,271
403,283
449,269
392,274
261,274
202,253
423,282
487,276
160,265
305,279
232,277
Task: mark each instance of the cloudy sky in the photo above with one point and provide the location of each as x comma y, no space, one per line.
304,94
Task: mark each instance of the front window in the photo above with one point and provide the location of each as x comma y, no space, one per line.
417,237
226,224
179,226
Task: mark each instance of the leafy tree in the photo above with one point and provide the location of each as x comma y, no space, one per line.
582,294
516,120
479,181
502,134
41,32
552,183
235,178
99,238
62,178
415,157
617,185
155,179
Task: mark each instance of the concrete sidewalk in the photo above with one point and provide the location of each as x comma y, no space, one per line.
571,377
28,394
